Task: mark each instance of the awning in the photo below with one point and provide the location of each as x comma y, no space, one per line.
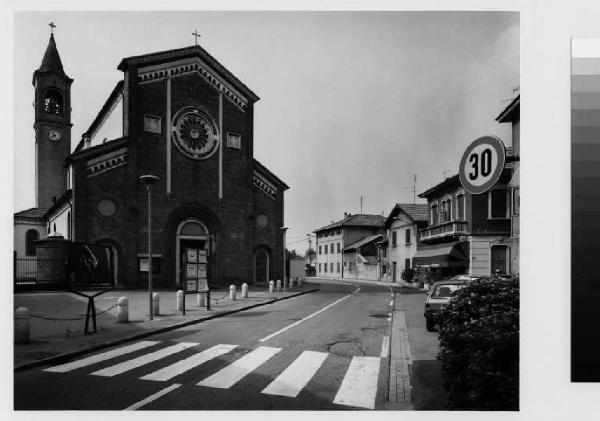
443,255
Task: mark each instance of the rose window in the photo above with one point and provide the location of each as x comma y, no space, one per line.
195,133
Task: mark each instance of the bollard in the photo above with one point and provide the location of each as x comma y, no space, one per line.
179,296
122,310
279,285
271,287
232,292
291,283
299,279
22,324
244,290
156,303
200,299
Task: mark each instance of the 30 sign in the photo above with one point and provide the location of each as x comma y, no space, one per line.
482,164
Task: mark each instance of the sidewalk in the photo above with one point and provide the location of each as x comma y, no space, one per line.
58,319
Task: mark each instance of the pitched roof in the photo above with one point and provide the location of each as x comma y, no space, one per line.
100,149
272,177
447,182
66,196
36,213
51,61
415,211
358,220
363,241
511,112
180,53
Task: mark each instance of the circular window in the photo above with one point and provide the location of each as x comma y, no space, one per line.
195,133
106,207
262,221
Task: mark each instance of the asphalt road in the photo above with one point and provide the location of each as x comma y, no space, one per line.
324,350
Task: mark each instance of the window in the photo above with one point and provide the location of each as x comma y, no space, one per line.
406,263
53,103
54,227
234,140
499,257
338,247
460,207
319,268
326,248
434,214
338,267
143,263
325,267
516,202
331,248
152,124
394,239
407,236
69,235
383,269
497,200
331,267
30,237
320,251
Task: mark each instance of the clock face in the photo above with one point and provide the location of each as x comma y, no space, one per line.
54,135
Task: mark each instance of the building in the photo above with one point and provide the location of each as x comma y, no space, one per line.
402,239
338,245
512,114
183,117
465,233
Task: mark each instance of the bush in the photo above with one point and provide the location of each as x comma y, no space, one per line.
407,275
479,346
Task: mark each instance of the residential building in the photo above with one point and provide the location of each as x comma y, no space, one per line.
402,239
512,114
465,233
334,238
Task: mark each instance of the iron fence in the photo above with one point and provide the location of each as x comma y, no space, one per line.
35,273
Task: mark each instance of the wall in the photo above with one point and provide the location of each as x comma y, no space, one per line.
325,239
401,251
20,230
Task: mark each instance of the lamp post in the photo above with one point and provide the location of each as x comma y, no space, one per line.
284,229
150,180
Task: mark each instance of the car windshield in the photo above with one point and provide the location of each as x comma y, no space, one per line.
446,290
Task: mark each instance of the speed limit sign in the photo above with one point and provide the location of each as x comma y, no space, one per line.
481,165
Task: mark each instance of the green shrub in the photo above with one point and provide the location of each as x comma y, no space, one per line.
479,346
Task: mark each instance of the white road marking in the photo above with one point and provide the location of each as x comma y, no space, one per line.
153,397
143,360
182,366
385,345
239,369
266,338
63,368
297,375
389,319
391,302
359,387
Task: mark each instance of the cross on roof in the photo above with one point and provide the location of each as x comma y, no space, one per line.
196,36
52,26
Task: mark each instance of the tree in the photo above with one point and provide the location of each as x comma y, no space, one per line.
311,253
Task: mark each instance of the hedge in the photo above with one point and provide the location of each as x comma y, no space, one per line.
479,346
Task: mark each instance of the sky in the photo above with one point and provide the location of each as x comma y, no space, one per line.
352,103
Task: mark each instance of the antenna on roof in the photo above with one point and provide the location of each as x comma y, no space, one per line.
413,189
360,204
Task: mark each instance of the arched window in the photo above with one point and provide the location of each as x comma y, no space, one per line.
69,235
30,237
192,228
53,102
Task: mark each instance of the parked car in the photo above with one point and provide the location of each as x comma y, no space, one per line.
440,294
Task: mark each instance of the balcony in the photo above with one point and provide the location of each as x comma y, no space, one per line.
447,229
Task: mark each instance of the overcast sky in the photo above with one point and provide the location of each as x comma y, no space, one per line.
351,104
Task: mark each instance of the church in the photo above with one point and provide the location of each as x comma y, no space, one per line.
182,117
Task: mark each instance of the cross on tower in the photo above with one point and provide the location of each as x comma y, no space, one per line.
196,36
52,26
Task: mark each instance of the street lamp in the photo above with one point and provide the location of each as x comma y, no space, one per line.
284,229
150,180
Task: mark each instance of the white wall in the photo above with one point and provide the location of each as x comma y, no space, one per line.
402,250
20,230
61,221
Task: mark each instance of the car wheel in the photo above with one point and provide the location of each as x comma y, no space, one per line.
429,324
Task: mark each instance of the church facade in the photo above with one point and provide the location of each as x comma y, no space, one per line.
184,118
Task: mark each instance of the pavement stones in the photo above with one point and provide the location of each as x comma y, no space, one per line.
57,320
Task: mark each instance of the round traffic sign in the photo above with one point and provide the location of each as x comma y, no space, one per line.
481,164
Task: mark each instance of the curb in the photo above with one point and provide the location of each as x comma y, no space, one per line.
68,355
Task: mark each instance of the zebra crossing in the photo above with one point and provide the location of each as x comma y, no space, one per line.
357,389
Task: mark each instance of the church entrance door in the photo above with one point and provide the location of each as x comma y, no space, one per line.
261,267
192,235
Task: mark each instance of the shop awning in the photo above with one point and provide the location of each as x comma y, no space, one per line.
444,254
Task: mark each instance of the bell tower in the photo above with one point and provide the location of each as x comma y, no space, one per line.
52,126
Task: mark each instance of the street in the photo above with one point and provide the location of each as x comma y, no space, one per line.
328,350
